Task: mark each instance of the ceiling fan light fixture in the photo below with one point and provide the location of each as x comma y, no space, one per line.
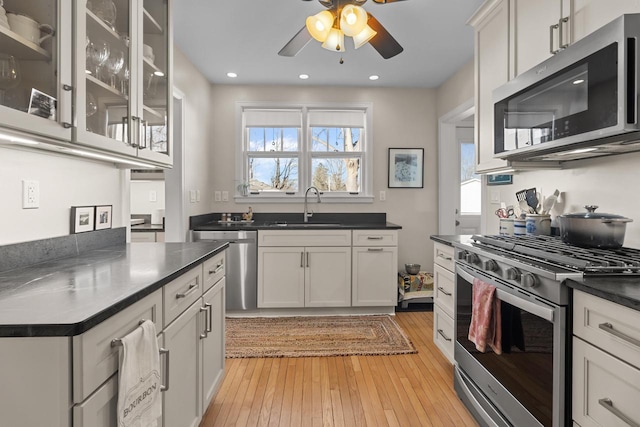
353,19
335,40
363,36
320,25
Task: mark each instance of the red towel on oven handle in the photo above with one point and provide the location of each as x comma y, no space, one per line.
485,328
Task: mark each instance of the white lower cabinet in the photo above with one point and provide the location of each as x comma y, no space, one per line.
444,299
374,279
100,409
327,277
181,402
212,344
280,277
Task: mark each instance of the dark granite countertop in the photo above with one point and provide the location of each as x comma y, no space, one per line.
146,228
621,290
294,221
68,296
450,240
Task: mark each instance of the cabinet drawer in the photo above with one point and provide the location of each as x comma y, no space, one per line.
443,255
610,326
101,409
213,270
304,237
443,289
443,332
605,389
94,360
375,237
181,293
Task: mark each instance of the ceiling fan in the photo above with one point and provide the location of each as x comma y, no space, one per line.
344,17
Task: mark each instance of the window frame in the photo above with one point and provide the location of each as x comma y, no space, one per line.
305,175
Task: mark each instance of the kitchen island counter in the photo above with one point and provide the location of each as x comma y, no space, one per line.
68,296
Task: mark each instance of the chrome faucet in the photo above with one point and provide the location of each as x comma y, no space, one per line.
308,214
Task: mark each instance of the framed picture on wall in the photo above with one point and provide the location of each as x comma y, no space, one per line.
406,167
499,179
103,217
82,219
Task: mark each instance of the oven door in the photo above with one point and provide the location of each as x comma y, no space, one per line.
527,382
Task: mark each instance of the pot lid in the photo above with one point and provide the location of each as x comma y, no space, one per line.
591,213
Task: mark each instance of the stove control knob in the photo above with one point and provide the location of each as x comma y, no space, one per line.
490,265
462,255
512,273
529,280
472,258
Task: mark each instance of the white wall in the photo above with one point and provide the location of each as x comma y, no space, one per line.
403,118
609,182
456,90
141,202
64,182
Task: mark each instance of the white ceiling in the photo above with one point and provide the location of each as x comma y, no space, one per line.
244,36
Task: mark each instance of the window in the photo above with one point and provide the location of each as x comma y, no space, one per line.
286,150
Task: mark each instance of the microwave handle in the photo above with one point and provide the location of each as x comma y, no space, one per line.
540,311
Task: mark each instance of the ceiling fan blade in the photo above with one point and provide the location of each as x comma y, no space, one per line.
383,42
296,44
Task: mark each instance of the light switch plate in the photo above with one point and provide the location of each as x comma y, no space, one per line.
383,195
153,196
225,196
197,195
192,196
217,196
495,196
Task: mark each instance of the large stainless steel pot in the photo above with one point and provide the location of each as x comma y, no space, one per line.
593,230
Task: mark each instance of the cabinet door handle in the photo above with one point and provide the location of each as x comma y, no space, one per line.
301,259
446,258
607,404
561,33
209,308
608,327
441,333
375,237
204,334
551,30
192,288
441,289
165,387
142,134
307,259
375,249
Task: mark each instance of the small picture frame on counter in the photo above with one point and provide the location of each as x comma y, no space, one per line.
82,219
103,217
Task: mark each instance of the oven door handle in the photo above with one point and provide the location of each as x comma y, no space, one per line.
545,313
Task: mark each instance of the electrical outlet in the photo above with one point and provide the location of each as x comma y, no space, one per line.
217,196
30,194
495,197
153,196
383,195
225,196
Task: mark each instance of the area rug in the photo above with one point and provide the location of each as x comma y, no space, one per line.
315,336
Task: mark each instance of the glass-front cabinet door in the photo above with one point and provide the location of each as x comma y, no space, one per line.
104,47
123,72
35,68
155,81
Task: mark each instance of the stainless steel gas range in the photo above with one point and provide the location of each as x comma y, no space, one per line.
529,383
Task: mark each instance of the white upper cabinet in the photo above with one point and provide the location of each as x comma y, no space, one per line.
35,68
492,65
123,60
589,15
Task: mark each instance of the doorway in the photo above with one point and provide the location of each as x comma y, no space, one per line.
459,187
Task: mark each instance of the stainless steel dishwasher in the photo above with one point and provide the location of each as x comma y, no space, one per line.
241,268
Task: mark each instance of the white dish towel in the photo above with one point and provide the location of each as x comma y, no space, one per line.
139,401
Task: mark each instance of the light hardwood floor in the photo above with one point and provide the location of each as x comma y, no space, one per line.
404,390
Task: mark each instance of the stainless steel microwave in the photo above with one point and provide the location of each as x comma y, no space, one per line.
580,103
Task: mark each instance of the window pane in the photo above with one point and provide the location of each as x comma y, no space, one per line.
273,139
336,139
470,193
276,174
336,174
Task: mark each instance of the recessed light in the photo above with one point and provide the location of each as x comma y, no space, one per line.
158,73
374,77
577,82
232,75
304,76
